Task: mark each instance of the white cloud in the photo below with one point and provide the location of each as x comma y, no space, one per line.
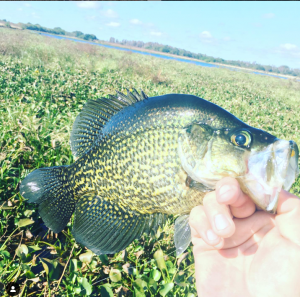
113,24
288,46
20,9
150,25
33,14
90,17
205,34
206,37
154,33
135,22
227,38
27,4
269,15
289,50
88,4
109,13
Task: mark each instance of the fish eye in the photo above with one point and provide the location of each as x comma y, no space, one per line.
242,138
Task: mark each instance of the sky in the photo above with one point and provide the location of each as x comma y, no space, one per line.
256,31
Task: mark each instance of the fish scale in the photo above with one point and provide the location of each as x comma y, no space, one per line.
147,161
141,159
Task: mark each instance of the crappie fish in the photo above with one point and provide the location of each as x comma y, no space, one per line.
141,159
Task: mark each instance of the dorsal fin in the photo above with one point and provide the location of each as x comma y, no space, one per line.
93,117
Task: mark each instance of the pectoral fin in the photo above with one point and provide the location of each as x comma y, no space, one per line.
182,235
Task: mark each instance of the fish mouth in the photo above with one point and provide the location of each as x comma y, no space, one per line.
269,171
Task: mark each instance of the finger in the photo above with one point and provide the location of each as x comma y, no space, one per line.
229,192
288,216
218,215
201,228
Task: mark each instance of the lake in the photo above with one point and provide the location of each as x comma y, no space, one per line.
203,64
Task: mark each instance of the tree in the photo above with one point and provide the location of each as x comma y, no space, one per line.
90,37
59,31
78,34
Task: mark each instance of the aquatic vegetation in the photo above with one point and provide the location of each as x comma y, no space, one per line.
44,84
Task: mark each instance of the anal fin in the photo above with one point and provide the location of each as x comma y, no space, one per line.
182,234
105,228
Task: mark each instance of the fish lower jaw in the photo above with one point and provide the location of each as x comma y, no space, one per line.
263,194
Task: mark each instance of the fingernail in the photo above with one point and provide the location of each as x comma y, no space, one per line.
221,222
211,235
222,191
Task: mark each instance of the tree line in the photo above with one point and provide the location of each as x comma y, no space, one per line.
181,52
56,30
59,31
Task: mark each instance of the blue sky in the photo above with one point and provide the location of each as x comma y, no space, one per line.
265,32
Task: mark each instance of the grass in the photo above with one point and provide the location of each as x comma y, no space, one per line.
43,85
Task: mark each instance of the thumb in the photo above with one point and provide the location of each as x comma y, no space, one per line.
288,216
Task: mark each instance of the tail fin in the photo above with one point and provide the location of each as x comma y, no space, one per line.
49,187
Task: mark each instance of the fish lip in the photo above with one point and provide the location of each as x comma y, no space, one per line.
293,169
264,187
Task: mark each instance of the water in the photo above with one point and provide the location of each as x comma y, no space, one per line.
203,64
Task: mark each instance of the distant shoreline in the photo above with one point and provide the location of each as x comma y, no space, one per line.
192,59
168,55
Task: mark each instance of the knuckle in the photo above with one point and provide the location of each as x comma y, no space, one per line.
209,197
196,215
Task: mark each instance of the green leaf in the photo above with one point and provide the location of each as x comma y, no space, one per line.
52,268
166,289
169,265
45,265
86,257
152,285
87,286
155,274
25,222
190,295
106,291
29,274
159,258
33,248
115,275
77,290
104,259
28,213
180,279
5,254
73,265
22,250
140,286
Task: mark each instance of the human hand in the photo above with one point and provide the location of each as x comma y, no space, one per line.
252,253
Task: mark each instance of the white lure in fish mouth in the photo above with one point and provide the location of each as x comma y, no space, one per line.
269,171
